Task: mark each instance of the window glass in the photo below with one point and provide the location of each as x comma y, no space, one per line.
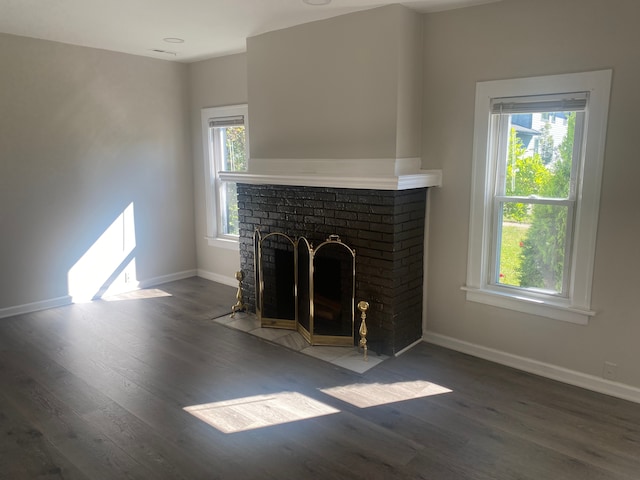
230,157
532,255
229,208
233,155
226,148
532,234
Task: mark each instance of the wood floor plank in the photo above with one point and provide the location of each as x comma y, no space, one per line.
523,410
167,419
119,425
99,390
88,448
26,453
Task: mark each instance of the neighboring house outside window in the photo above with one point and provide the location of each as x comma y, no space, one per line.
537,167
541,132
226,149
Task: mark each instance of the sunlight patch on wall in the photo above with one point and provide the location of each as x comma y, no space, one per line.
364,395
108,266
260,411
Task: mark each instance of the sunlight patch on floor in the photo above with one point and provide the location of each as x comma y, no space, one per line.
364,395
138,295
259,411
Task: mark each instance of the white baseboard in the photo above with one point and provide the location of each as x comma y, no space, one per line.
68,300
407,348
590,382
35,306
216,277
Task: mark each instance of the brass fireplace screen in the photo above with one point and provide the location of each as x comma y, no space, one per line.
311,290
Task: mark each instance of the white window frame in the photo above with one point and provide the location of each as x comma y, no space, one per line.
215,235
576,307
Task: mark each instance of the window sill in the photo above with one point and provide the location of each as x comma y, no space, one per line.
543,308
226,243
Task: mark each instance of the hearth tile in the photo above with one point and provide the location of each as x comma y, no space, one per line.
326,353
244,323
354,361
294,341
349,358
270,333
224,320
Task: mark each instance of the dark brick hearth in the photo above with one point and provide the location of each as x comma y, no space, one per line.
385,227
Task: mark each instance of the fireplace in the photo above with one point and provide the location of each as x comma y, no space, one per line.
335,148
386,228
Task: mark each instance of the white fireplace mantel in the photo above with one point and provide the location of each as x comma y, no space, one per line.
374,174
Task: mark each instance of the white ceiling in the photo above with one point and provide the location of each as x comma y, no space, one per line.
209,27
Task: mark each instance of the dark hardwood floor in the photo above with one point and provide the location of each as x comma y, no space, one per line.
98,391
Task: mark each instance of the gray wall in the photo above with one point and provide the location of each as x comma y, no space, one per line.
334,88
518,38
213,83
409,90
84,133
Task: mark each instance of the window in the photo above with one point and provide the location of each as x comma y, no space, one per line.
534,212
226,149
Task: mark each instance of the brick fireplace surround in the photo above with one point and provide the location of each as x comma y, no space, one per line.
385,227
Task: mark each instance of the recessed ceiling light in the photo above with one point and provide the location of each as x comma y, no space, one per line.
317,2
173,40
